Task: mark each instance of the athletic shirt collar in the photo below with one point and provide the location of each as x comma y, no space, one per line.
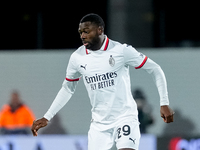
103,47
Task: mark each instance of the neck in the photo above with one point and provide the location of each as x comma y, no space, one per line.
100,43
102,39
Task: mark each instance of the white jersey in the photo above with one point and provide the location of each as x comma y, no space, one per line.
105,73
106,77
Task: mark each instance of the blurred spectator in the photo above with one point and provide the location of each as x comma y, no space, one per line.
144,110
15,117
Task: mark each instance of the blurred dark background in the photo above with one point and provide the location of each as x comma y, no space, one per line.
151,23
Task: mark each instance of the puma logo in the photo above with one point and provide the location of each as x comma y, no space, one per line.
84,67
132,140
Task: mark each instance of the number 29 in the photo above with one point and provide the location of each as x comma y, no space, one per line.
126,130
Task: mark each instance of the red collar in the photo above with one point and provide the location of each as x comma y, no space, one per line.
105,47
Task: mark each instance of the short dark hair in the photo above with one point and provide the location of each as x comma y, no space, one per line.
93,18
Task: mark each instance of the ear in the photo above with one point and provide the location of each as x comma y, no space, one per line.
100,30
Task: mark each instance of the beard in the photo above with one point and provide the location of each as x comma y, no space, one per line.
94,44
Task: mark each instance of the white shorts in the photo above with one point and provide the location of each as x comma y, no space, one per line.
125,134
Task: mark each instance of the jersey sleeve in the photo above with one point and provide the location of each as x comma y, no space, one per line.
138,60
60,100
133,58
66,91
159,79
72,75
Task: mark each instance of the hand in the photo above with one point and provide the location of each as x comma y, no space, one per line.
167,114
37,124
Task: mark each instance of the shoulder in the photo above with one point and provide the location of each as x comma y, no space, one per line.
81,51
5,108
115,47
129,49
25,108
77,54
114,44
122,48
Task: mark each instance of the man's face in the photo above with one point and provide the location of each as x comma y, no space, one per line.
89,34
15,100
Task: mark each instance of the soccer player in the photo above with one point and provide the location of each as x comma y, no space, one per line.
103,64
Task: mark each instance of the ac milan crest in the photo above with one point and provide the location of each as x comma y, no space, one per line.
111,61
